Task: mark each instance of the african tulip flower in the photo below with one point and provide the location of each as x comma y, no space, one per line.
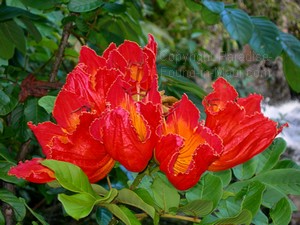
128,128
239,122
187,147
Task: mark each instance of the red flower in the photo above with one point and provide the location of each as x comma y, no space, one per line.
187,147
128,128
239,122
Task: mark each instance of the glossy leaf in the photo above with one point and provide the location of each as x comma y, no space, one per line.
78,205
70,176
7,102
16,204
291,71
47,102
103,216
281,213
204,191
122,214
33,112
197,208
238,24
291,46
246,170
14,33
265,38
285,180
165,195
126,196
216,7
268,158
84,6
224,175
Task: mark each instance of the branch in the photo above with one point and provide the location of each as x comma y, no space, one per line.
60,52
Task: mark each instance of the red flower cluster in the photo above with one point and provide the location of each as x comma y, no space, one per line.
110,110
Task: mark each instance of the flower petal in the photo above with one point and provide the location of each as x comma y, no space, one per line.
44,133
90,58
122,140
223,93
83,150
33,171
251,103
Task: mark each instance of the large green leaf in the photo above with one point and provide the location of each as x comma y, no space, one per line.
265,38
9,12
17,204
31,28
70,176
123,215
260,219
41,4
291,46
245,170
78,205
84,6
291,71
216,7
14,33
7,102
225,176
197,208
103,216
269,158
33,112
203,190
165,195
47,102
129,197
238,24
8,51
285,180
281,213
244,217
193,6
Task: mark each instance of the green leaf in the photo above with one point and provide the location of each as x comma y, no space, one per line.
287,163
70,176
129,197
17,204
7,102
244,217
197,208
19,123
268,158
285,180
121,214
253,197
8,12
31,28
291,46
2,219
4,168
84,6
14,33
103,216
8,51
165,195
115,8
260,219
36,215
209,17
193,6
291,72
281,213
41,4
216,7
78,205
271,196
224,175
204,191
245,170
238,24
47,102
33,112
265,38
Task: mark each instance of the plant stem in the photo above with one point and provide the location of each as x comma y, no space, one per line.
138,179
179,217
60,52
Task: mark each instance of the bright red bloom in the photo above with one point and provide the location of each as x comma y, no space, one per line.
128,128
187,147
239,122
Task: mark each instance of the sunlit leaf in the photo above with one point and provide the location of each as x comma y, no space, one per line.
197,208
281,213
122,214
47,102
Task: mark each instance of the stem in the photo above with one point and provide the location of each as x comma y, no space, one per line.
179,217
60,52
138,179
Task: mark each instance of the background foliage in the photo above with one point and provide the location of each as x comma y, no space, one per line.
198,41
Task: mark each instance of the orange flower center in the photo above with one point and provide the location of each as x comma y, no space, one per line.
136,73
